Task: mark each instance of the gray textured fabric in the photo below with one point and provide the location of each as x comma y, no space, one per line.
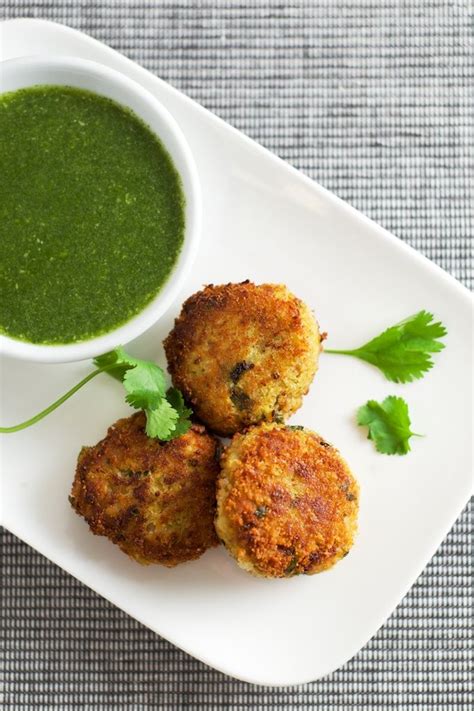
373,100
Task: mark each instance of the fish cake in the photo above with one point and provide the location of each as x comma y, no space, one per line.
155,500
243,354
287,502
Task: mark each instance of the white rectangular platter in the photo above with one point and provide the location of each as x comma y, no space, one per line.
264,221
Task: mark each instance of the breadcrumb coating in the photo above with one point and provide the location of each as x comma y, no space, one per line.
243,354
155,500
287,502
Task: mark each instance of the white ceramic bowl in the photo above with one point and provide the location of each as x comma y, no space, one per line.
83,74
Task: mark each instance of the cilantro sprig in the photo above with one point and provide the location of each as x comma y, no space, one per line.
402,352
167,416
388,424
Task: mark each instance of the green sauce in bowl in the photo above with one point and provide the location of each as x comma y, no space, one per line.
92,215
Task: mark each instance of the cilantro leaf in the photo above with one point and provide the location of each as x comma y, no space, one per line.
176,399
143,399
402,352
143,380
182,426
118,357
113,362
388,423
145,385
161,421
166,413
183,423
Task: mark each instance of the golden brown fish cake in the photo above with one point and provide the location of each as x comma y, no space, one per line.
156,500
287,502
242,354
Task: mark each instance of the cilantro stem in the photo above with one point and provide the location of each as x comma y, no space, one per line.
53,406
330,350
402,352
167,416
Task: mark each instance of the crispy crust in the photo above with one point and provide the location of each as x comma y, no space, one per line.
154,500
287,502
243,354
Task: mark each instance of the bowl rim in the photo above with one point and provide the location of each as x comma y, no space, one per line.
175,144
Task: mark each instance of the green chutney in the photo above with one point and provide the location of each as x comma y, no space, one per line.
91,215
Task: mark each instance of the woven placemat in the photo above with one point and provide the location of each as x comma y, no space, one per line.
374,100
